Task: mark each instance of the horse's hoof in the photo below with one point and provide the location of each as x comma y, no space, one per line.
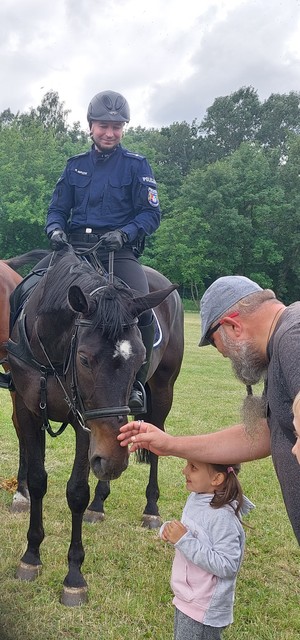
93,516
151,522
74,597
20,504
28,572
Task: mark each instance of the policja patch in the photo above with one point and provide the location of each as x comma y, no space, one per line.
153,197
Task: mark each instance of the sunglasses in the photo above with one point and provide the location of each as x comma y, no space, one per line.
217,326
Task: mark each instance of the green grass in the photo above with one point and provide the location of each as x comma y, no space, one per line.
128,568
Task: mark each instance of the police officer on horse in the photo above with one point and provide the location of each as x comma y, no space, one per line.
108,195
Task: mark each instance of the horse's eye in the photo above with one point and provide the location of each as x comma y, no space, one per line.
84,361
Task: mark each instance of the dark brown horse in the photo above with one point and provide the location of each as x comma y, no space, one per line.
73,354
9,279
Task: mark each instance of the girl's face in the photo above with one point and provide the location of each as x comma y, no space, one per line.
296,447
200,477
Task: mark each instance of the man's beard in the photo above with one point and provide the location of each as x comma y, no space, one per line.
250,367
248,364
254,410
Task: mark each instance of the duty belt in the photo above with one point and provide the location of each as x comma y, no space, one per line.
86,238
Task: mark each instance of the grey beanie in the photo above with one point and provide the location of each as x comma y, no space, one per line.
223,294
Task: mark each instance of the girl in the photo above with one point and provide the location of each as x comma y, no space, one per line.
209,545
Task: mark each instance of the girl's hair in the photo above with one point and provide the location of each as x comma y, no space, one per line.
230,490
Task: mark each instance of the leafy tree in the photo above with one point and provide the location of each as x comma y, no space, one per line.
51,113
288,223
230,121
279,117
33,152
228,221
181,250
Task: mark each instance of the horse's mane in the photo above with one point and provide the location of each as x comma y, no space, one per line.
111,311
66,270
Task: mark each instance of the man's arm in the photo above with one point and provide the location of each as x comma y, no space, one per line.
229,445
60,205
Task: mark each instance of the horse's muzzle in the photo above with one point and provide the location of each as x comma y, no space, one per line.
108,468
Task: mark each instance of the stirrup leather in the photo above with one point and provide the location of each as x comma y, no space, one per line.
6,381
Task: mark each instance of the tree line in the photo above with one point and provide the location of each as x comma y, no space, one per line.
228,187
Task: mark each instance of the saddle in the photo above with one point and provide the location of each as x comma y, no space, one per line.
21,294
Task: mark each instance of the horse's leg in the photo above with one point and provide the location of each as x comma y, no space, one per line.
21,501
30,565
159,404
78,494
151,518
95,510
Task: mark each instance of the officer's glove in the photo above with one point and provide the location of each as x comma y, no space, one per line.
58,239
114,240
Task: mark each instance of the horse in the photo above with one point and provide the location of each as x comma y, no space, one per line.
9,279
73,354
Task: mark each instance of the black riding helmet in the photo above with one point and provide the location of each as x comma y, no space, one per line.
108,105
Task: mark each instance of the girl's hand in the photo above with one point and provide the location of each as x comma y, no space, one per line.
173,531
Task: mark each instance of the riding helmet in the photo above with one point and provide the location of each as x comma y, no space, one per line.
108,105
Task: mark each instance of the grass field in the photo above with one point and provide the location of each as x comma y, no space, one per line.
128,568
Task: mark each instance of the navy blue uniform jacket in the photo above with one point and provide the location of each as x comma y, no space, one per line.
106,192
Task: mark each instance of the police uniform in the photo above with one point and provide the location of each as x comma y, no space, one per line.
100,192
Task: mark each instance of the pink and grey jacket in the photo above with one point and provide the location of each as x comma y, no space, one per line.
207,560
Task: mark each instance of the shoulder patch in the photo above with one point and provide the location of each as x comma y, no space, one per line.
153,197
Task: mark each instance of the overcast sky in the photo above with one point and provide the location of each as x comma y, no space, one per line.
170,58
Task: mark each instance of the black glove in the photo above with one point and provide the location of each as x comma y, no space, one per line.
114,240
58,239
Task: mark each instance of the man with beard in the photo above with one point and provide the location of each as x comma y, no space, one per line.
261,336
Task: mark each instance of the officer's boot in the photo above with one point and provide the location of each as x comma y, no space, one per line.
137,400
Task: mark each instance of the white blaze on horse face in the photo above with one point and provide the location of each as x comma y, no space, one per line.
123,349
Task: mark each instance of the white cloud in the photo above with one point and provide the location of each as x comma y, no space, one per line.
170,60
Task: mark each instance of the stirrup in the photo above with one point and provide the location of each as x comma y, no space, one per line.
6,381
138,399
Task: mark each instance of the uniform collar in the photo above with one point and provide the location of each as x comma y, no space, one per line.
100,155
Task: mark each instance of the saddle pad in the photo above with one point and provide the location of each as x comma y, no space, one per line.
157,331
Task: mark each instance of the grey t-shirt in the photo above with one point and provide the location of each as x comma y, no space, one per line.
282,385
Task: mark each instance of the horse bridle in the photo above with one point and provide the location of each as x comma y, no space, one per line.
76,404
92,414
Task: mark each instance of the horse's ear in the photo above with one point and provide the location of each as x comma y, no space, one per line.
77,299
151,300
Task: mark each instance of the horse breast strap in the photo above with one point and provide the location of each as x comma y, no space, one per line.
22,349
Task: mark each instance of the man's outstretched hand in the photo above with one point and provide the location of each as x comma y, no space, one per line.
144,435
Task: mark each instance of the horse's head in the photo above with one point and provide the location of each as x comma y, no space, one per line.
109,352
